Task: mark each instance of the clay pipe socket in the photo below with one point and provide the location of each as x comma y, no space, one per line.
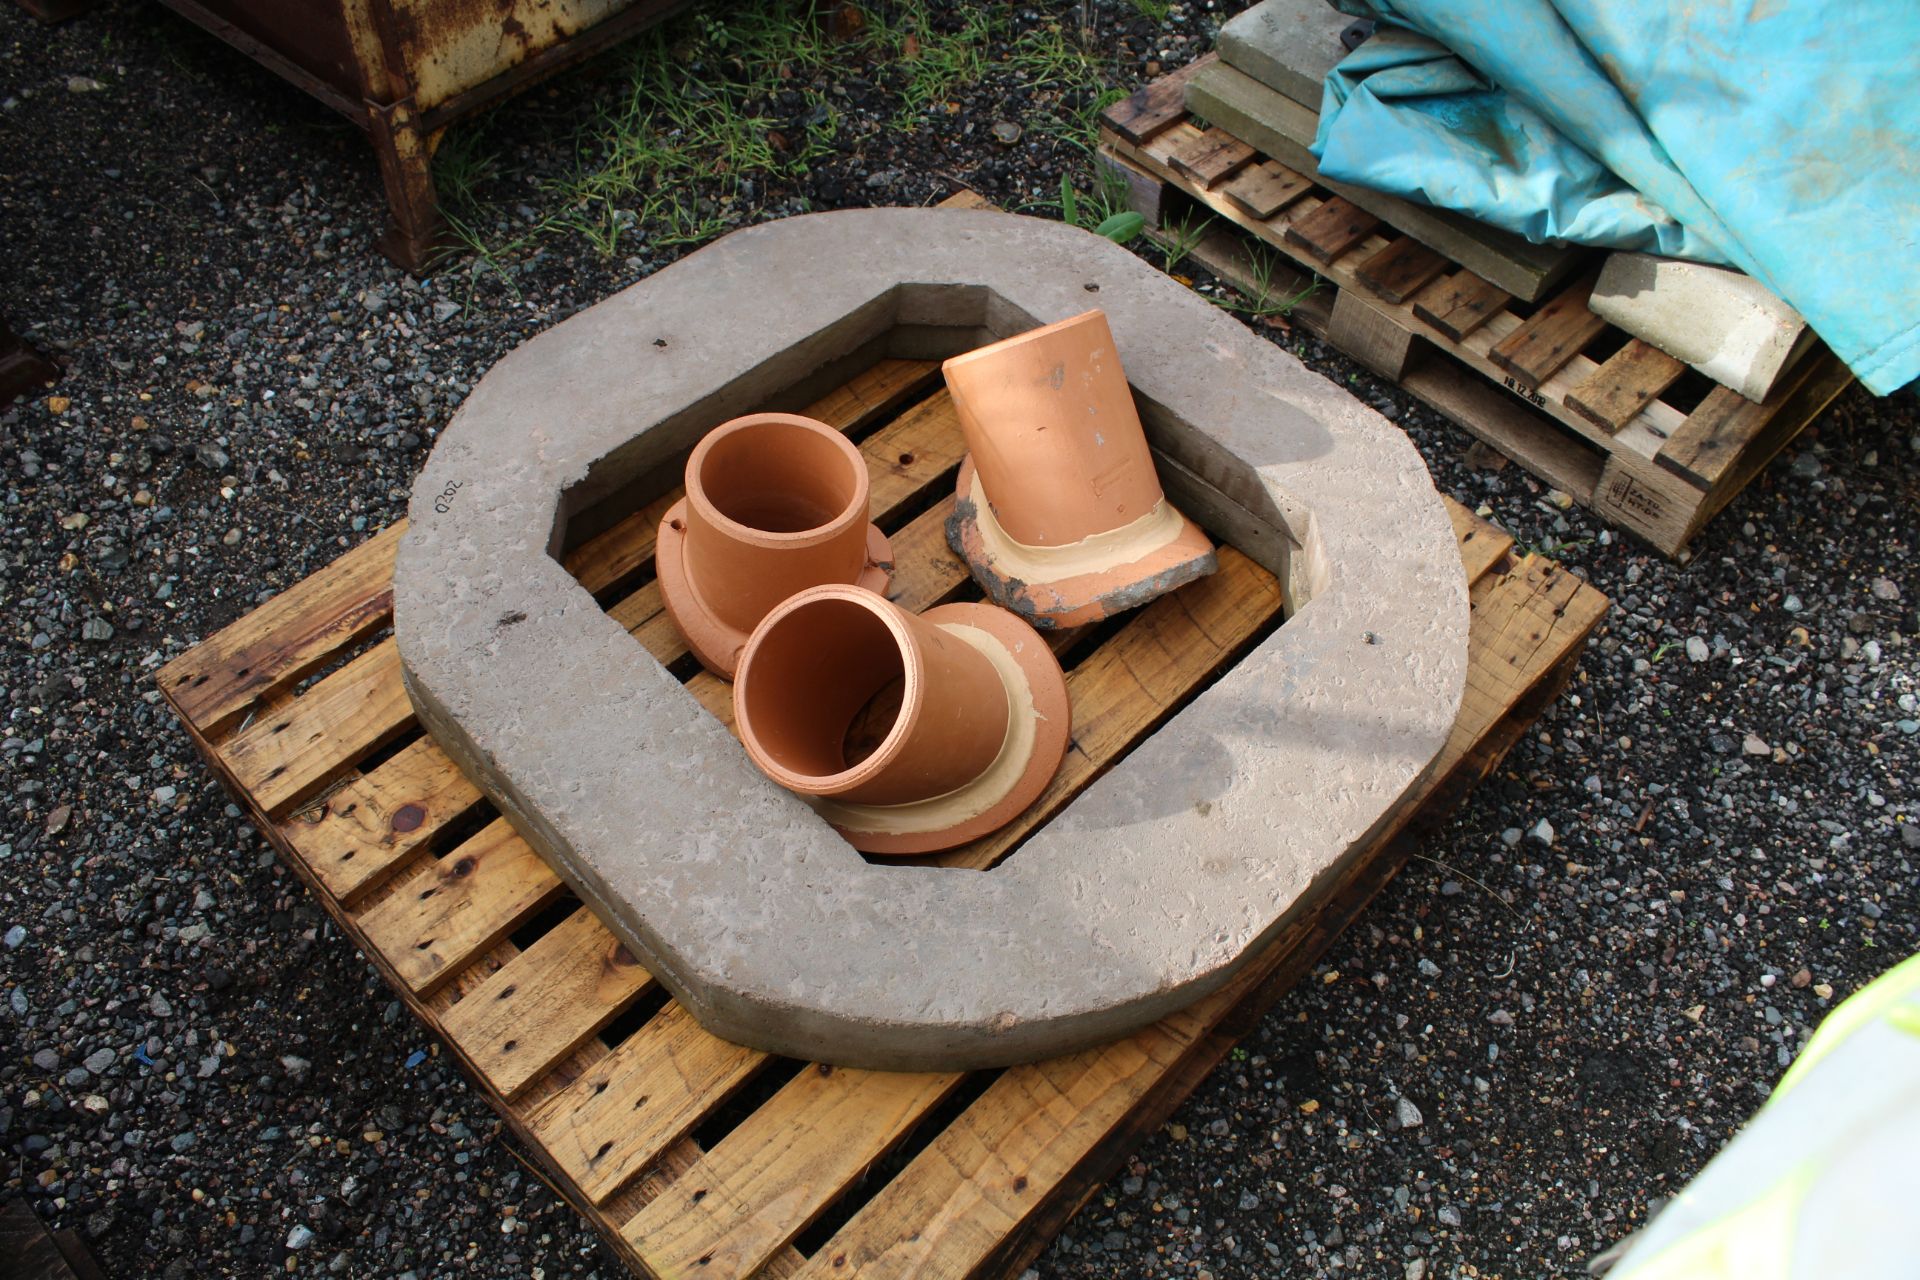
911,733
1059,511
776,503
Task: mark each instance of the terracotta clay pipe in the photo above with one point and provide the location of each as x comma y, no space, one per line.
776,503
1059,511
913,733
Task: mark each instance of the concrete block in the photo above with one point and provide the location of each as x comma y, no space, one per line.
1288,45
1155,885
1282,128
1723,322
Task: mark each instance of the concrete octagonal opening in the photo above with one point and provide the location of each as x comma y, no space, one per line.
1157,882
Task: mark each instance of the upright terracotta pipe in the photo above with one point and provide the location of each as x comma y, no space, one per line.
775,503
1060,513
915,732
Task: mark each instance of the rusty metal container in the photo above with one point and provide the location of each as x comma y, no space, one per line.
403,70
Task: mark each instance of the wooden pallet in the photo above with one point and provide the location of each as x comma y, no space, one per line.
1621,426
693,1156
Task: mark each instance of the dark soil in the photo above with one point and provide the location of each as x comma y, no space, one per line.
1596,971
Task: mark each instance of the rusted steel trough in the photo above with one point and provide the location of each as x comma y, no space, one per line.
403,70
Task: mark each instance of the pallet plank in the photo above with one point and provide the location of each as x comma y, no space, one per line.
1401,269
634,1104
443,919
1212,158
1550,337
1153,107
299,630
1332,229
1264,189
365,830
298,746
1631,379
543,1003
765,1181
1459,304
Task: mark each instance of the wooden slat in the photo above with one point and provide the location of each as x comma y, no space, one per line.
213,683
1401,269
284,754
1551,336
365,830
639,1100
1459,304
544,1002
1631,379
1264,189
955,1205
1153,107
437,923
774,1174
1332,229
1482,545
1713,436
1212,158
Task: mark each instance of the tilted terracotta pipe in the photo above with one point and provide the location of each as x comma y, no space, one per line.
1059,510
915,733
776,503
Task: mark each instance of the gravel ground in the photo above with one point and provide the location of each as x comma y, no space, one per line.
1553,1018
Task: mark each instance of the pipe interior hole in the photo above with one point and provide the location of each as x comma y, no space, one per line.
779,478
826,688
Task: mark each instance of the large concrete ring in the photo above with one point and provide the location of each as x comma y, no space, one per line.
1156,883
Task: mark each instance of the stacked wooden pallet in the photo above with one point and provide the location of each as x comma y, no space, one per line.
1620,426
693,1156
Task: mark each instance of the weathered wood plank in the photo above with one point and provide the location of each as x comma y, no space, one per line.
639,1100
1401,269
774,1174
1152,107
365,830
1631,379
213,683
1212,158
1551,336
544,1002
454,910
1264,189
1332,229
1459,304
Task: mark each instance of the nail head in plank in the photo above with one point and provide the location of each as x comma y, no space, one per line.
1401,269
1631,379
1460,304
1153,107
1332,229
544,1002
1551,336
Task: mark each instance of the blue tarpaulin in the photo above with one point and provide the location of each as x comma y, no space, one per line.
1782,137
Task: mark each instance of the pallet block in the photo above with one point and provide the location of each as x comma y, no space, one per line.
695,1157
1574,401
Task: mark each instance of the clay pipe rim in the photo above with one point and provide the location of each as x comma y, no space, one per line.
913,690
993,349
854,512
